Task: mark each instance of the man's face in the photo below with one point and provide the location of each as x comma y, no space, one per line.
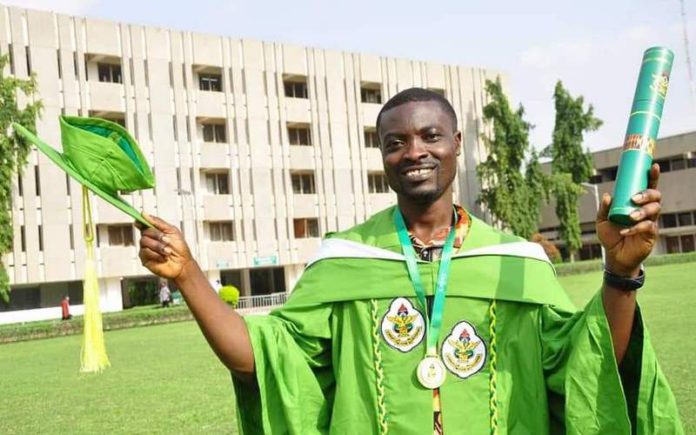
419,150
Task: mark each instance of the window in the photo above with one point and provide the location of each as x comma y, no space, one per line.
672,244
119,121
669,220
40,232
691,160
109,72
588,228
685,219
10,52
303,183
664,165
147,74
20,185
377,183
117,117
214,133
176,131
60,67
120,235
27,54
687,243
595,179
210,82
588,252
678,164
217,183
221,231
23,238
306,228
38,180
371,93
371,139
299,135
295,88
23,298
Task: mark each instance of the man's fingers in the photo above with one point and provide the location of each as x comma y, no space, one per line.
160,224
147,255
603,212
653,176
646,196
646,227
155,244
649,211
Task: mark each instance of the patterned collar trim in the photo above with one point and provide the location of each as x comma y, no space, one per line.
461,229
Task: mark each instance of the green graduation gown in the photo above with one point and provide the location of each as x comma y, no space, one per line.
340,356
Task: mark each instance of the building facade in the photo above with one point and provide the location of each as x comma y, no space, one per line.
258,148
677,158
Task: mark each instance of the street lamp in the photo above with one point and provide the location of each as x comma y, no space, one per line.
595,191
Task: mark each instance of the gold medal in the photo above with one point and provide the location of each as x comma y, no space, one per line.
431,372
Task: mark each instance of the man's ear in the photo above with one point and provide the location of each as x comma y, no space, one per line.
458,141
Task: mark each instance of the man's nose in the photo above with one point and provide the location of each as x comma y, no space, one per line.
415,149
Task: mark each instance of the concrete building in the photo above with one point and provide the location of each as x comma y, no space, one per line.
677,158
258,148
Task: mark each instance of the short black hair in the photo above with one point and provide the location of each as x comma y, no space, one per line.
411,95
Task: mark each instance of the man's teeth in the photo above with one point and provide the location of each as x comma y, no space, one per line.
418,172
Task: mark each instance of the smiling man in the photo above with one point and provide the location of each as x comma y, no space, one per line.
424,319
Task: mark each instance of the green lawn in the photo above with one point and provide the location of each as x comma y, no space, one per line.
668,303
165,379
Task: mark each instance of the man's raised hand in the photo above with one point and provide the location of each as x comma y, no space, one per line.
163,249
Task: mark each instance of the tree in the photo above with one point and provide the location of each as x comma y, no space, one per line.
513,184
571,165
13,152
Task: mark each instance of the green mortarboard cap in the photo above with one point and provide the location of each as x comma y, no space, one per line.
100,155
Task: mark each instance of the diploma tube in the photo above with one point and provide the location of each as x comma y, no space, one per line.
641,133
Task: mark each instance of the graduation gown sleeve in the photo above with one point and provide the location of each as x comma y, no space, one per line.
294,380
588,393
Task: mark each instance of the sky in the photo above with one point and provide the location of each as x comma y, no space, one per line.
593,47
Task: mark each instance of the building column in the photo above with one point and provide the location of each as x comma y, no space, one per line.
246,283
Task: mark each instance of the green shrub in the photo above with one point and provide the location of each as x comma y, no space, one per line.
549,248
229,294
596,265
143,292
141,316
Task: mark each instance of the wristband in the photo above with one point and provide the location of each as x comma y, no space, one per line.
624,283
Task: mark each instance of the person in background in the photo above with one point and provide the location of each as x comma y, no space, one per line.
165,294
65,308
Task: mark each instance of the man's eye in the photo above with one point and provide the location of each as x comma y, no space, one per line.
432,137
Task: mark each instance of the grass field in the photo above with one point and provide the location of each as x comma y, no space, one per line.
668,304
164,379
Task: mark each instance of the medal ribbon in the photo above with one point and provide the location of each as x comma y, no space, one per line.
435,322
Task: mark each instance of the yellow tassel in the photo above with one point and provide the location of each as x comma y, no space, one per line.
93,358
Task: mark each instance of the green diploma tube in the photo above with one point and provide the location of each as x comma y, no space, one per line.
641,133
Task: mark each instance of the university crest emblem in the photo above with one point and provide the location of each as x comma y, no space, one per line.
463,352
402,326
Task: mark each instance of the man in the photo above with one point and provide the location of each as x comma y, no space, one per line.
65,308
369,343
164,294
